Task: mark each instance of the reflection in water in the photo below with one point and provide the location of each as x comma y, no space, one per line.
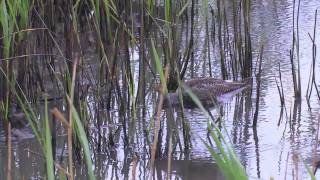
257,151
189,170
25,165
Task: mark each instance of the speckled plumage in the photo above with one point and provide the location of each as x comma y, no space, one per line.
207,90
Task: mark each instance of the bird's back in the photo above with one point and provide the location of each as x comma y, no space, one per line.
208,91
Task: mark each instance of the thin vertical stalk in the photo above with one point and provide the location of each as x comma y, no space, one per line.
208,36
156,133
237,40
295,70
9,156
298,53
190,50
312,79
142,64
247,39
169,158
70,159
48,144
220,42
163,92
255,117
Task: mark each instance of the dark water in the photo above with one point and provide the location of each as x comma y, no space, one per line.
272,150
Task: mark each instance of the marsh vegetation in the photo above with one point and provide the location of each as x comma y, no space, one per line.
83,85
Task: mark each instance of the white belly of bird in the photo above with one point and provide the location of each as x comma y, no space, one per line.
227,97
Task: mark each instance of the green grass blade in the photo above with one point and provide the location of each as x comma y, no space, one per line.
81,135
48,145
308,169
184,7
159,66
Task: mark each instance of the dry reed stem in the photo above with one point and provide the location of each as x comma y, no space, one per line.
59,116
157,126
70,101
60,168
23,30
134,166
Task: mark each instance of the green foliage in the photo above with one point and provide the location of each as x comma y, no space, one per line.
7,22
82,136
9,11
168,17
44,139
48,145
159,66
27,109
225,155
311,174
151,6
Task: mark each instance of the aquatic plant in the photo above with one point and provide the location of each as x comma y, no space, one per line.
223,153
